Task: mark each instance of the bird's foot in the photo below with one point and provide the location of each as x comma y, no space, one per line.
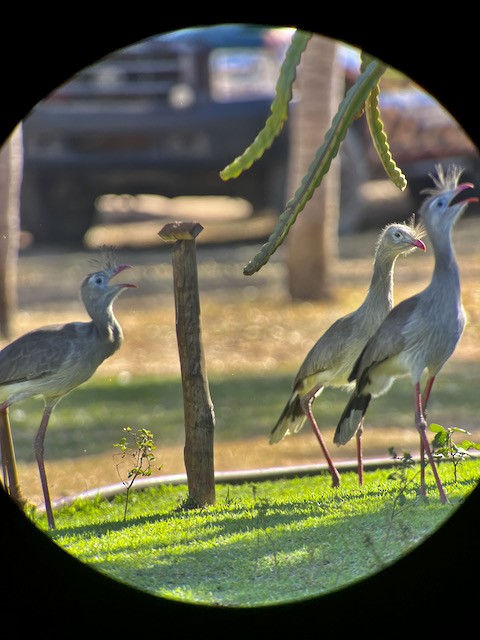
16,495
335,480
51,521
21,501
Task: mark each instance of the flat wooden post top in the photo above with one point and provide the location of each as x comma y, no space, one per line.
174,231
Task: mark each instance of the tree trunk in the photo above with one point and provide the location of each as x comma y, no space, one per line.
312,245
11,168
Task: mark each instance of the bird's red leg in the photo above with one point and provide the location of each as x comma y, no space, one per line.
425,447
39,454
423,491
423,410
418,419
306,403
3,449
358,436
426,395
9,464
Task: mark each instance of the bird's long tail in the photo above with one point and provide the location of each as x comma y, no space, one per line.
351,417
291,420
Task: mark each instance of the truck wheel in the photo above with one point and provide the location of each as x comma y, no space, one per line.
56,209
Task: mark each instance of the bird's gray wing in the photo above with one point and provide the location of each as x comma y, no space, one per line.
388,341
326,352
36,354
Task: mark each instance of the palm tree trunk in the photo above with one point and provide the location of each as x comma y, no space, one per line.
11,169
312,244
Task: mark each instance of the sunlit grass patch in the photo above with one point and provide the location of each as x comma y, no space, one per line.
262,543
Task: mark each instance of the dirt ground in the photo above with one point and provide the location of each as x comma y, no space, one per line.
48,292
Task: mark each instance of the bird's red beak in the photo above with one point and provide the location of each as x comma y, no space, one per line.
460,189
119,268
420,245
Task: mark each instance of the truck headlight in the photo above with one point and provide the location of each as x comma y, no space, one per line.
242,74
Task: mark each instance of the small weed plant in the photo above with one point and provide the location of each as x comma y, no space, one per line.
405,463
404,474
444,446
138,446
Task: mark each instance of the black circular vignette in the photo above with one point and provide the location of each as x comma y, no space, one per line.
42,587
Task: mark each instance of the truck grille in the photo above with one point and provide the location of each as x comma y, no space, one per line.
147,70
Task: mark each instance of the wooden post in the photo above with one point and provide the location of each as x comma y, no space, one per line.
198,406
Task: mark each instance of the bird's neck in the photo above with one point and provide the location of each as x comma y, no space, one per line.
108,327
446,265
380,292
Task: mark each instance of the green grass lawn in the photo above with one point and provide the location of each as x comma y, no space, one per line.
90,420
265,543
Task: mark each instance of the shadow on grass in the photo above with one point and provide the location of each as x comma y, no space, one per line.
91,419
260,551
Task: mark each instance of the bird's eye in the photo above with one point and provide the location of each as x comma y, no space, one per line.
397,234
98,280
439,203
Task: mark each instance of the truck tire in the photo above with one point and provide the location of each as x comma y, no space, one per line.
56,208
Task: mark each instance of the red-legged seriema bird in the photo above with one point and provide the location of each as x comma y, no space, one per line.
331,358
52,361
421,333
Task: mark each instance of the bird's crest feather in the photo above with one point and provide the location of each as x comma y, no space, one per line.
444,181
107,260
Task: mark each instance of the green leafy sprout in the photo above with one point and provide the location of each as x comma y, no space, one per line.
445,447
140,451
